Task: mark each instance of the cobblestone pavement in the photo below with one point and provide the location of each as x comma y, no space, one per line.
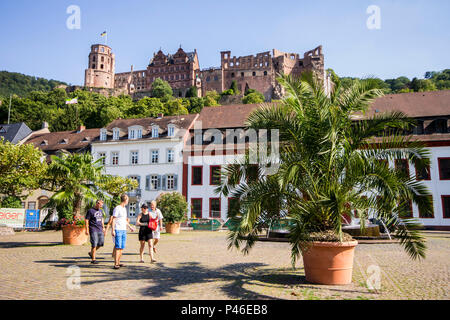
198,265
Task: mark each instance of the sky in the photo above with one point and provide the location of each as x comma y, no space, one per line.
412,38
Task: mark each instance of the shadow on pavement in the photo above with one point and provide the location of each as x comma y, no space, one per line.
28,244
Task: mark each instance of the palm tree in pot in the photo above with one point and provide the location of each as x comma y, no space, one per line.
330,166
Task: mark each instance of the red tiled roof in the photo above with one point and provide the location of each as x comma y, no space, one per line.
74,139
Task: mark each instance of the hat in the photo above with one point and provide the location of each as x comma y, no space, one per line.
144,205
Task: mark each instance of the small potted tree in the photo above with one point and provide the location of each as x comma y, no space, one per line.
74,178
173,207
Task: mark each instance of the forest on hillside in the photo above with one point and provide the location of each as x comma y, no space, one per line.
20,84
47,103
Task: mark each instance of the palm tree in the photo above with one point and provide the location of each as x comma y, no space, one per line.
75,178
330,166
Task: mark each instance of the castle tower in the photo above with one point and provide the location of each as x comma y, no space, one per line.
100,71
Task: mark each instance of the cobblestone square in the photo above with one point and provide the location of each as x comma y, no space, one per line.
197,265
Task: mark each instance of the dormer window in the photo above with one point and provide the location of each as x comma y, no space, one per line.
44,143
155,132
116,133
103,134
63,141
135,132
171,131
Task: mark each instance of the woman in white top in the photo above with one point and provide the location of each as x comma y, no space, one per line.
156,214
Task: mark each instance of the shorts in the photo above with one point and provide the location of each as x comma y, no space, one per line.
121,239
156,234
97,239
145,234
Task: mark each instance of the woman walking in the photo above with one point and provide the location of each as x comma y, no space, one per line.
145,233
156,214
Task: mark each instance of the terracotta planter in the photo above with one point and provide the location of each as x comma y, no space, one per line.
74,235
173,228
329,262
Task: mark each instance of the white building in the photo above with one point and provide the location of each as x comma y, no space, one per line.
148,150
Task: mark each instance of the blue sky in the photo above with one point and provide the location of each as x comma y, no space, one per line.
414,34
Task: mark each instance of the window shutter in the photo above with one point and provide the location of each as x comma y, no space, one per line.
139,182
159,182
175,181
164,182
147,183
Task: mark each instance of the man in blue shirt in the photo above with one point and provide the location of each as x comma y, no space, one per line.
95,228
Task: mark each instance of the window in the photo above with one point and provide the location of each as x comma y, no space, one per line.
170,182
171,131
427,215
32,205
214,175
405,209
253,73
132,134
155,132
265,73
170,155
137,179
154,182
446,207
155,156
423,174
114,158
233,205
196,208
402,166
103,134
214,207
102,155
116,134
197,175
134,157
242,74
444,168
132,209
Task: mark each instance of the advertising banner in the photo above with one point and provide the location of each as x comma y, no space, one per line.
13,218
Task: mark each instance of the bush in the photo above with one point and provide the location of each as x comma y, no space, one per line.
253,97
173,207
11,203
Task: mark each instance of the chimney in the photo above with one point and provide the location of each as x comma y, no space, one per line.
160,115
81,129
45,125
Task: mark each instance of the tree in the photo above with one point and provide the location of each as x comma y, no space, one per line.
175,107
234,87
196,105
75,179
211,98
253,97
161,89
21,168
11,202
329,166
116,186
192,92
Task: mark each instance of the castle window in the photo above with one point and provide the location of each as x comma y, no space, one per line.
253,73
265,73
208,79
232,74
93,66
101,66
242,74
93,59
216,78
102,49
103,59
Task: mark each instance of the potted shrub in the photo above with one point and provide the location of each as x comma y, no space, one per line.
73,230
173,207
330,167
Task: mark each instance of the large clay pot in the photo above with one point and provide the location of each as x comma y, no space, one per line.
74,235
329,262
173,228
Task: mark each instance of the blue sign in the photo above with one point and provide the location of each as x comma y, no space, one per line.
32,219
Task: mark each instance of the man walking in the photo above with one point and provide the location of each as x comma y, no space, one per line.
119,229
95,228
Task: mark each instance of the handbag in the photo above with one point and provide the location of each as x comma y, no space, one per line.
153,224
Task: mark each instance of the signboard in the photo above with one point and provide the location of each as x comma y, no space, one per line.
206,224
13,218
32,219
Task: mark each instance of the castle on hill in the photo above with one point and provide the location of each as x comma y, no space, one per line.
182,71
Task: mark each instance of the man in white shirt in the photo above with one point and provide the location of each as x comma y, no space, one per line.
119,229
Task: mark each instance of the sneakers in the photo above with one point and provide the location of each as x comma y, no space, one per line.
94,262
